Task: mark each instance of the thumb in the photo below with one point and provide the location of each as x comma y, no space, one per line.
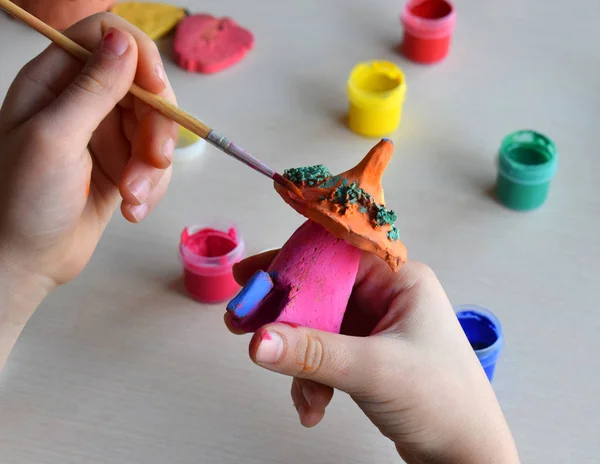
97,89
350,364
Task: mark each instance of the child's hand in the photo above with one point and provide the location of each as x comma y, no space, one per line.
416,376
74,144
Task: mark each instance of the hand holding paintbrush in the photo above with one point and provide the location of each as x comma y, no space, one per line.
163,106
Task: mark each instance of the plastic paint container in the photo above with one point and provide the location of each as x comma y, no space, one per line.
189,146
484,332
208,255
376,91
527,162
428,27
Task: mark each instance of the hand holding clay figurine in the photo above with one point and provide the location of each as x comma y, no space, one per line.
72,147
403,357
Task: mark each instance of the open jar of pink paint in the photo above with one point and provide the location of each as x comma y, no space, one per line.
208,254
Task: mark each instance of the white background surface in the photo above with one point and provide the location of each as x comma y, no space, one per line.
120,367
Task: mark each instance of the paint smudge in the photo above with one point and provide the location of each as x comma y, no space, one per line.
289,324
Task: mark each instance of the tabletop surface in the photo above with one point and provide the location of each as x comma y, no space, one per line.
121,367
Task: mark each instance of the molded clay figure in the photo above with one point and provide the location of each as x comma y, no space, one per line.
156,20
61,14
310,281
207,45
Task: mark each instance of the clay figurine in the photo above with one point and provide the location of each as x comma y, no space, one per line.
310,280
207,45
62,14
156,20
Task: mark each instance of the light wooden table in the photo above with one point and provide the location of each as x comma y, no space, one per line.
120,367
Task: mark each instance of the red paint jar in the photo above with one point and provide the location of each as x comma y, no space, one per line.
428,27
208,255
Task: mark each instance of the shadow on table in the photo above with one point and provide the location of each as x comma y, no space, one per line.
177,285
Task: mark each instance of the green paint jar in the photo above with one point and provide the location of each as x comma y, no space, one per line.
527,162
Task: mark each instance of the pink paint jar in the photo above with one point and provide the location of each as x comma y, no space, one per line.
208,255
428,27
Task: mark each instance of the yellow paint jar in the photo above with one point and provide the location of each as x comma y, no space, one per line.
376,91
188,147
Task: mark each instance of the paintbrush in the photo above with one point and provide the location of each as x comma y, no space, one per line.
163,106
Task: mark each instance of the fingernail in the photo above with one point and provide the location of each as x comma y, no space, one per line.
140,188
168,148
139,212
160,73
270,348
115,42
307,393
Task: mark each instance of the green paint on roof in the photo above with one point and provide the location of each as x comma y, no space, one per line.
393,234
309,175
385,216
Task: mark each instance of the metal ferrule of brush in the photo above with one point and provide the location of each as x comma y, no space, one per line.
227,146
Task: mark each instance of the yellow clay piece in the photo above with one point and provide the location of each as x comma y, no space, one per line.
376,91
155,19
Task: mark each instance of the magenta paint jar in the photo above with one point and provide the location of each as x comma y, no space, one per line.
208,254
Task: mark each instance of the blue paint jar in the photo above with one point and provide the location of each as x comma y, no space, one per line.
527,162
484,332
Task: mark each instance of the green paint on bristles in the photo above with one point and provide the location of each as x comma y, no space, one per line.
309,175
393,234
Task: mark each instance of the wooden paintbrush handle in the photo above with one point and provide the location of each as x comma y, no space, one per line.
165,107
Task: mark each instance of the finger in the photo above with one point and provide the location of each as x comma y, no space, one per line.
245,269
95,91
109,139
150,73
128,123
127,102
375,281
377,286
37,85
141,175
231,327
139,182
154,140
420,305
137,213
352,364
50,73
310,399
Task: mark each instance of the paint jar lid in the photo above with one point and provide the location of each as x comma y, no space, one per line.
189,146
527,157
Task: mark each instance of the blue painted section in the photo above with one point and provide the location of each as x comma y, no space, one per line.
250,297
388,140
